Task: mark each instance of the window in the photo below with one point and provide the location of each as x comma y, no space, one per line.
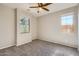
67,23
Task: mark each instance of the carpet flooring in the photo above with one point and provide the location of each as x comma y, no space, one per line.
39,48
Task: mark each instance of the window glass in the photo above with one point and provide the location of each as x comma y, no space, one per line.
67,20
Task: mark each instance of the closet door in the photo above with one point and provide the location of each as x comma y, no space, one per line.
7,29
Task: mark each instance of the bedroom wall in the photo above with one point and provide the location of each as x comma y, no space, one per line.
7,29
23,38
49,28
78,27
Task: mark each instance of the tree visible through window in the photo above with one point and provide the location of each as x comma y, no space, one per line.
67,23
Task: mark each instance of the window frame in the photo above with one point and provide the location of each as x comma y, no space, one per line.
64,15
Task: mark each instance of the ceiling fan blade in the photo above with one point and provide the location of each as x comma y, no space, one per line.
46,4
40,4
34,7
45,9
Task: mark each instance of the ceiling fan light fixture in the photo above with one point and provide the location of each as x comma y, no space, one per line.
40,9
41,6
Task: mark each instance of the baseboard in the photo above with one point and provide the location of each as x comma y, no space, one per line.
7,47
35,39
58,43
23,43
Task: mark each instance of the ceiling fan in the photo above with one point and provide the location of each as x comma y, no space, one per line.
42,6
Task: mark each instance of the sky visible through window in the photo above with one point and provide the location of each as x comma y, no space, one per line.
67,20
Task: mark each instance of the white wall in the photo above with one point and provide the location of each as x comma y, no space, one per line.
7,29
78,27
49,28
23,38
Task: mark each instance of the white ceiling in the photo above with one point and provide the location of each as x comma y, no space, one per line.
53,7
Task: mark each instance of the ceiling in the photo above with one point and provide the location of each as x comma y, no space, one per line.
53,7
